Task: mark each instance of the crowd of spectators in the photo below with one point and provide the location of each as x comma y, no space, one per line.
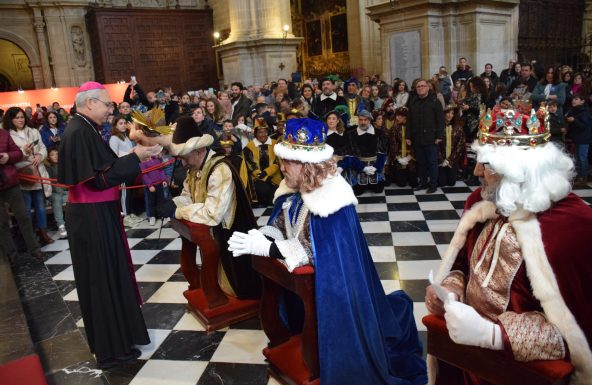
246,122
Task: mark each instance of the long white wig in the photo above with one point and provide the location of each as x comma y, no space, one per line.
532,178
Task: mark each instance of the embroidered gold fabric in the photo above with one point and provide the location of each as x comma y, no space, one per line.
456,283
532,337
490,297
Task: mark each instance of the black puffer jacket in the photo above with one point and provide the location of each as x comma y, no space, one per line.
425,121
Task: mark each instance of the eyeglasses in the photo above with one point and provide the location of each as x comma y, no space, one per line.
107,104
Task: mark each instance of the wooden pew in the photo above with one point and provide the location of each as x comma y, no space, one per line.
293,359
490,365
213,308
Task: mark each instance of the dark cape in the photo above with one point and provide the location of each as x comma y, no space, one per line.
364,336
243,279
107,292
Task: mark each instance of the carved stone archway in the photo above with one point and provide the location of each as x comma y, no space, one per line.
31,53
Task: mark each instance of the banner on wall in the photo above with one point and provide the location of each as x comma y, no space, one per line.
45,97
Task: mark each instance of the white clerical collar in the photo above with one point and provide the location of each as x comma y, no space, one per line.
368,131
329,132
258,143
332,96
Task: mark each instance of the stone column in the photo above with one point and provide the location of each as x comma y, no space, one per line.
43,51
256,51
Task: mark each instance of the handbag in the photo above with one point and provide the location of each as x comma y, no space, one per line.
27,168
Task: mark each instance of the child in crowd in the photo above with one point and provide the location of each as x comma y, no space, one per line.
245,132
229,133
580,131
450,150
59,195
155,182
555,124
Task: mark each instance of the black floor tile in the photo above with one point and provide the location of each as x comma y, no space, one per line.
373,217
387,270
403,206
65,287
409,226
458,205
431,215
431,197
74,308
369,200
148,288
188,346
454,190
416,253
415,288
166,257
162,315
177,277
123,374
403,191
234,374
152,244
443,238
139,233
56,269
379,239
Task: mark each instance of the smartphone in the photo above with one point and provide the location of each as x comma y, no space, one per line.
35,142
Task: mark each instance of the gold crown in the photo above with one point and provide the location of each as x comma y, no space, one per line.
508,127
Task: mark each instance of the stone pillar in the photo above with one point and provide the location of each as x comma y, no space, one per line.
363,37
256,51
481,32
43,51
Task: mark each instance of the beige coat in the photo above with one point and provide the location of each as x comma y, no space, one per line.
30,135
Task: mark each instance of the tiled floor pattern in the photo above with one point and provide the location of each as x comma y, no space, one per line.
407,234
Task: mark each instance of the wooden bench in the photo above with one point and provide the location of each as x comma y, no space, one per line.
490,365
213,308
293,359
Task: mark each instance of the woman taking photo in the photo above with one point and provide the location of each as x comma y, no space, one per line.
34,153
307,94
215,113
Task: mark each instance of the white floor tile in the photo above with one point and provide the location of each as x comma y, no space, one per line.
158,372
65,275
419,311
406,216
164,234
442,249
390,285
439,205
257,212
272,381
443,225
458,196
460,212
169,292
174,245
155,273
412,239
59,245
376,227
71,296
417,269
189,322
371,207
262,221
80,323
584,193
401,199
157,336
61,258
140,257
241,346
383,253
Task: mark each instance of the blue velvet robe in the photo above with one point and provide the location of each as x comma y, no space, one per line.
365,337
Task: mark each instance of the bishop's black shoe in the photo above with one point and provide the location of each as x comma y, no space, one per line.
420,187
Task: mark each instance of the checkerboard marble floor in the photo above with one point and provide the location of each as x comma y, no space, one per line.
407,234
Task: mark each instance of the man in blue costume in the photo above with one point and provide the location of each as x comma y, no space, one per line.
364,336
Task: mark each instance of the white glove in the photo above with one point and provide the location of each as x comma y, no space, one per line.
467,327
254,243
370,170
339,170
403,161
445,163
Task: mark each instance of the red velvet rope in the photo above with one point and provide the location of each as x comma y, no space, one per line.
53,181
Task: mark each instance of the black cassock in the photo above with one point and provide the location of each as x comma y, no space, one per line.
107,291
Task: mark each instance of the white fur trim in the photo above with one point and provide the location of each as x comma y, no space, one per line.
334,194
540,274
546,290
283,151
